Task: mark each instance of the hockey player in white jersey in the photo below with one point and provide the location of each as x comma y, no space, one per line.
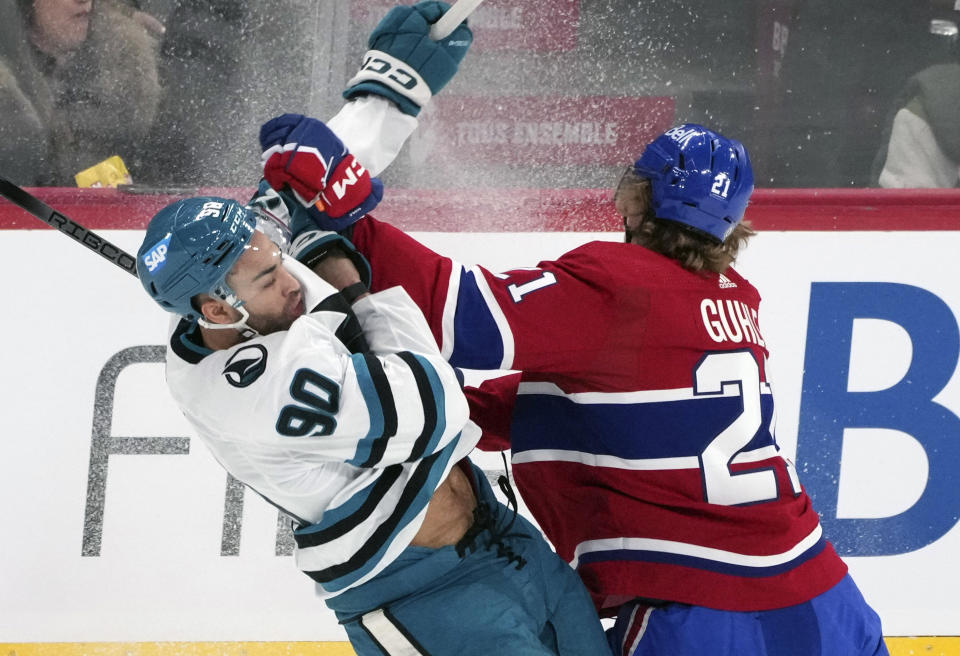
336,406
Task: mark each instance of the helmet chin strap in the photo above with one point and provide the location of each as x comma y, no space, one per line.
246,332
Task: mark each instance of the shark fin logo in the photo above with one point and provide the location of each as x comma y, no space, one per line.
246,365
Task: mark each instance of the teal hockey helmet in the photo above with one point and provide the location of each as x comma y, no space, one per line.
190,247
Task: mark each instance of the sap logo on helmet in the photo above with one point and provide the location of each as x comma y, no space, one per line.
156,257
680,136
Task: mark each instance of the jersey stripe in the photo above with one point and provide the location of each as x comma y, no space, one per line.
476,339
339,521
679,429
595,460
390,635
692,555
636,628
645,396
381,406
349,332
649,464
431,397
447,325
411,502
503,326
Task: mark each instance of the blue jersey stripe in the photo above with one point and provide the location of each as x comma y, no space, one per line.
683,560
632,431
388,408
441,399
371,388
477,343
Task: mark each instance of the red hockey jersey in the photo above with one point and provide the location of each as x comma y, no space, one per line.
641,423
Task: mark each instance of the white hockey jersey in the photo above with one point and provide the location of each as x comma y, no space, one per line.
352,446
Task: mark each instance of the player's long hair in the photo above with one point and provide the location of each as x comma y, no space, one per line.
694,250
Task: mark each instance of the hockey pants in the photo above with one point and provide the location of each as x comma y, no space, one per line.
508,593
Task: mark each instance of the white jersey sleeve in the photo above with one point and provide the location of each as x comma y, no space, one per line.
373,129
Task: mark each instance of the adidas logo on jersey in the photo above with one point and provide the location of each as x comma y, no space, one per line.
726,283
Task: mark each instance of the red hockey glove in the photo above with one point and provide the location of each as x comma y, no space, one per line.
304,155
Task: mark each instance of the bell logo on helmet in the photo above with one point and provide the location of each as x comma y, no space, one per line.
681,136
156,257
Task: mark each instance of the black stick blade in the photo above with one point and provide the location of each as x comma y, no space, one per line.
24,199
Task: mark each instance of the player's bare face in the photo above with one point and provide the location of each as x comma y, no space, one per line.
271,295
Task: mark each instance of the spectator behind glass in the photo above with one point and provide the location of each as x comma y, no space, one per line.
843,64
197,136
922,145
78,83
219,63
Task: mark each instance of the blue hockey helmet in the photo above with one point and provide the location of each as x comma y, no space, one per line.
699,178
189,249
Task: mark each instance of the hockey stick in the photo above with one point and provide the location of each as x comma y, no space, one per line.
19,196
454,16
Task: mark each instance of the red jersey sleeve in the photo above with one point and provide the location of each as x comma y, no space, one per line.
556,317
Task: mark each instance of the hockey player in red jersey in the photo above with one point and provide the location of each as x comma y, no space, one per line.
641,422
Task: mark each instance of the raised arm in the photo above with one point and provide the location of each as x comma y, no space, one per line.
329,176
546,318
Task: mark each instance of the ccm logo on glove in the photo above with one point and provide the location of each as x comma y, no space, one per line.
382,67
349,183
353,172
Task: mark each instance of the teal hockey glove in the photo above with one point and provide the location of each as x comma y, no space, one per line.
404,64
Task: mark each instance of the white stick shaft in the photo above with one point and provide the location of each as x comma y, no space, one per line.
449,21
